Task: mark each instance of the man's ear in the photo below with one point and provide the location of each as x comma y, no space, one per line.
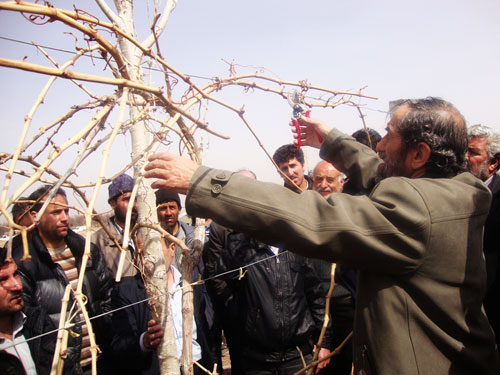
112,203
33,213
172,247
418,156
493,164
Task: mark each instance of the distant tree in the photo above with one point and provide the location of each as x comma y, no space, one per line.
76,221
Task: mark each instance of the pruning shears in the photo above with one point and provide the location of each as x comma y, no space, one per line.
298,109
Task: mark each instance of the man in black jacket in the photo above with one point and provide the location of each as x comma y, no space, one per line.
18,325
483,155
56,257
272,311
137,331
278,304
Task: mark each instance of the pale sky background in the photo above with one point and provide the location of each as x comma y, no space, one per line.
394,49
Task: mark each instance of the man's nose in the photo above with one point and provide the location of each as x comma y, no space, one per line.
381,145
15,283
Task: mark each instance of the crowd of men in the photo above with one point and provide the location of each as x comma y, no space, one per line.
401,217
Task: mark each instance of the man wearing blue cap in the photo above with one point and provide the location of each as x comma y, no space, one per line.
119,196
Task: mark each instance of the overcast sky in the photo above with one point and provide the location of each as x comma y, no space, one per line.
392,49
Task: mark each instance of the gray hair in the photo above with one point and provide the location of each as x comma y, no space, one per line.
441,126
481,131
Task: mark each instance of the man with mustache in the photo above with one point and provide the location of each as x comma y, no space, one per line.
483,155
119,196
416,239
56,259
168,208
12,319
17,326
327,179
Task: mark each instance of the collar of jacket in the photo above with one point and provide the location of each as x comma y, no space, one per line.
188,229
75,242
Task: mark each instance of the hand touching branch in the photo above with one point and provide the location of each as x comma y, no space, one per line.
323,352
312,132
173,172
153,335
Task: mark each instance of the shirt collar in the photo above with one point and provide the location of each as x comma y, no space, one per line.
488,181
120,230
19,319
17,324
177,277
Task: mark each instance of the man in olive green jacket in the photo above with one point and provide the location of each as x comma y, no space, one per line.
415,239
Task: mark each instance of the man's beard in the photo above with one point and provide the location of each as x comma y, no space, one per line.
481,172
166,228
391,167
121,216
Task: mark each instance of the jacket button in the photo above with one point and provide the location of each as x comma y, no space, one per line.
220,176
216,188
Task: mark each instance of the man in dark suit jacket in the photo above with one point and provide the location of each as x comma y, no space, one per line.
483,155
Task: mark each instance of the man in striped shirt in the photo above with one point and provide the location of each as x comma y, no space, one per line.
56,258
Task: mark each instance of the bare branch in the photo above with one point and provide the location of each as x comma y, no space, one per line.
112,16
160,26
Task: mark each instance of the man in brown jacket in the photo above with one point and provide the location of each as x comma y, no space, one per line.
416,239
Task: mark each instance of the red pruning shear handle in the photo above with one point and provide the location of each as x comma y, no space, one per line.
298,110
297,126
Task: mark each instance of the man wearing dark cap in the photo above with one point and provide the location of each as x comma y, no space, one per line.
168,208
119,196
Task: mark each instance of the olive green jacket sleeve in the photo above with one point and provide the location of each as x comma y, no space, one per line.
356,231
359,231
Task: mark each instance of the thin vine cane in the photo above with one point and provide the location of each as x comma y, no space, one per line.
326,319
335,352
57,360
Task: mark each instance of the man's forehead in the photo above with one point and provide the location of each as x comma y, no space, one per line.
326,169
292,160
58,199
398,114
168,203
7,267
479,141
